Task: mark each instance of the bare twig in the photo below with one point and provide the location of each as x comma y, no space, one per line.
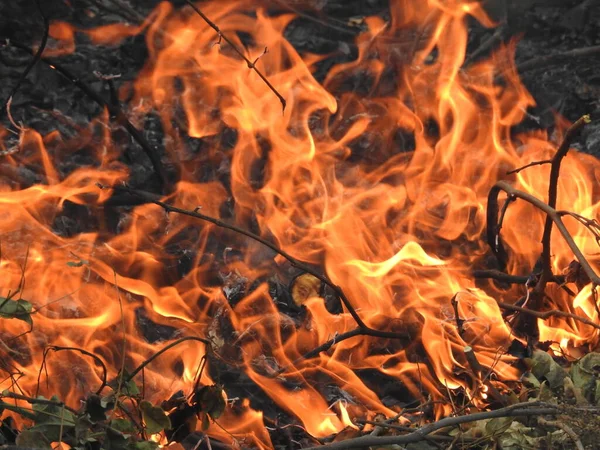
251,64
36,57
546,314
57,348
163,350
330,343
39,401
546,60
562,151
531,164
123,350
507,278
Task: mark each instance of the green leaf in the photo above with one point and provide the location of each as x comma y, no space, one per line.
205,422
33,439
51,419
154,417
585,376
211,400
128,389
81,262
83,430
115,440
16,309
122,425
144,445
17,409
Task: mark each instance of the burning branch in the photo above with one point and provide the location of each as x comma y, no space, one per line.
251,64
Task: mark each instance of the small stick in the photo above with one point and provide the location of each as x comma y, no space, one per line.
546,60
531,164
546,314
33,62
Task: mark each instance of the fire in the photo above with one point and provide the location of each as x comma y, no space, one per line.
384,186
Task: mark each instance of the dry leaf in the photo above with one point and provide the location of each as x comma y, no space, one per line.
305,287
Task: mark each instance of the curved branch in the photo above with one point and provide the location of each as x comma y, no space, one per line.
519,409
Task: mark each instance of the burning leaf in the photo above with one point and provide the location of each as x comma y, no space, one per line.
544,367
33,439
305,287
585,376
16,309
154,417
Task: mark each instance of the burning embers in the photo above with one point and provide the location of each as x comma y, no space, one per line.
309,270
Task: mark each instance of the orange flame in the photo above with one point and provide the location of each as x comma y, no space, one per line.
332,181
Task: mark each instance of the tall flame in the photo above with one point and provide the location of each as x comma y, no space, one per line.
378,173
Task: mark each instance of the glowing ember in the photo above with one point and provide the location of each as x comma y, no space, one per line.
399,230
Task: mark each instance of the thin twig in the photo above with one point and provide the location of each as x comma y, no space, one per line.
251,64
39,401
567,429
507,278
36,57
562,151
57,348
531,164
123,350
164,349
546,314
543,61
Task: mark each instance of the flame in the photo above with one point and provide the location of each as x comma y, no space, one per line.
383,185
